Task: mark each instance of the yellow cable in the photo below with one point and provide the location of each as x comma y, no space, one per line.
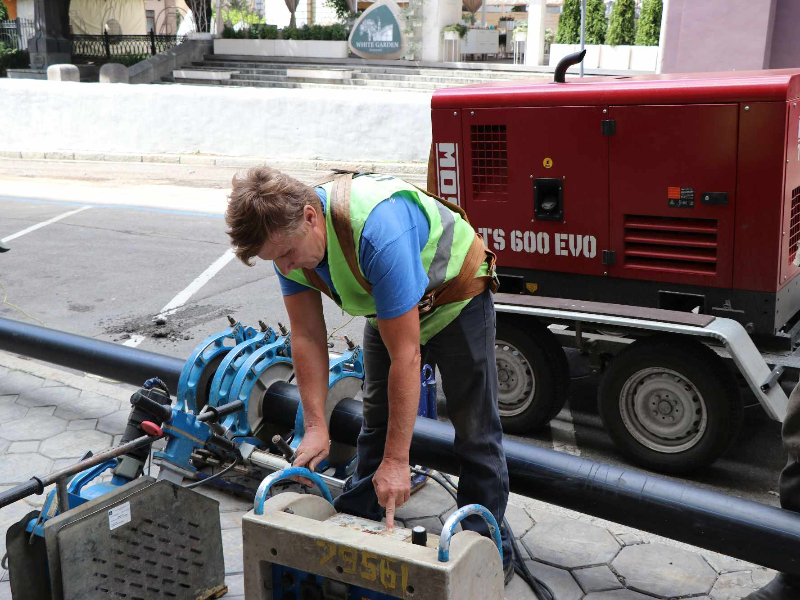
14,306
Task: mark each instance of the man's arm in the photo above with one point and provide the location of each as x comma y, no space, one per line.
310,358
401,338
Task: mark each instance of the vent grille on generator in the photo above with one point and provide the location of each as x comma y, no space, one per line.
489,162
671,244
794,231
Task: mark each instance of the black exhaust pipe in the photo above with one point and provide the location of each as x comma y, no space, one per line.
754,532
560,75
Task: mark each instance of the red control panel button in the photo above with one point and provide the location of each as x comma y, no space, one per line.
151,428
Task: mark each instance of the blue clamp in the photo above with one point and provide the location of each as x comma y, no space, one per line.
288,473
206,355
457,517
233,361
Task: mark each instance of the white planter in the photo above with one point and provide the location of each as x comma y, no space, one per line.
451,36
521,36
592,58
617,58
644,58
559,51
293,48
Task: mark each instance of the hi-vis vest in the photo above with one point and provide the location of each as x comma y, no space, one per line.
449,242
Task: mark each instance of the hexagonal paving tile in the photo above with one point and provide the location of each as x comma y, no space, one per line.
430,500
8,399
74,444
49,396
432,524
232,550
663,570
12,412
4,444
19,468
519,521
89,407
114,423
560,581
569,544
17,382
32,428
732,586
597,579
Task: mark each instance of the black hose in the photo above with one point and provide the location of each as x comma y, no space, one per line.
195,484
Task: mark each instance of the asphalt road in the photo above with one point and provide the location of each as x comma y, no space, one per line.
137,238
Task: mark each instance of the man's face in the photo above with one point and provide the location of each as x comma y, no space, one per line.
303,249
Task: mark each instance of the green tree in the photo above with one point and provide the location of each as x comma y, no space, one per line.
649,29
621,29
596,22
569,25
3,12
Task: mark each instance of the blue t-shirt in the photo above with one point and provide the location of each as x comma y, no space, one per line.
394,235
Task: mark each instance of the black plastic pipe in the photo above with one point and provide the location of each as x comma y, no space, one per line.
106,359
751,531
754,532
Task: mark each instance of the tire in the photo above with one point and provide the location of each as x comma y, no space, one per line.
670,404
532,372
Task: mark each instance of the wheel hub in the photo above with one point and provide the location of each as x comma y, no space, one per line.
516,385
663,410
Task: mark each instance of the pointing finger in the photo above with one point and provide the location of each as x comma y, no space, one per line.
390,513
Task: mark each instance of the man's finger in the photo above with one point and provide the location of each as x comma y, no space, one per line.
390,513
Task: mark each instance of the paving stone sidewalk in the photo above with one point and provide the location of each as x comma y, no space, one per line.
49,418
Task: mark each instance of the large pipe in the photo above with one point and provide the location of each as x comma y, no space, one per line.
754,532
106,359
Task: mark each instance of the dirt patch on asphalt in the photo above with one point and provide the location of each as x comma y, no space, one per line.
174,328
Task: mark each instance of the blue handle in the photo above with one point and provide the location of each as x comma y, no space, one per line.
457,517
288,473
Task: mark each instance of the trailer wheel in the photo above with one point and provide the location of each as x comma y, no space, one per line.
532,374
670,404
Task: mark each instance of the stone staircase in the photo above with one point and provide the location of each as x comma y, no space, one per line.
239,71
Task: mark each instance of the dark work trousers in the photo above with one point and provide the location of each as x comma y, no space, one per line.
464,353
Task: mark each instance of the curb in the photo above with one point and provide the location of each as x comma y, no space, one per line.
219,161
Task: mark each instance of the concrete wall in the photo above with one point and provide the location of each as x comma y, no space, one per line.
436,15
786,35
709,35
25,9
348,125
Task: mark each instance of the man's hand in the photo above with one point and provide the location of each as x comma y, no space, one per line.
315,446
392,483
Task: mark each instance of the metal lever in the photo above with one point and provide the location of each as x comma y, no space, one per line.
457,517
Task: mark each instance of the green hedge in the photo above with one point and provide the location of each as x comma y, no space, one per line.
337,32
11,58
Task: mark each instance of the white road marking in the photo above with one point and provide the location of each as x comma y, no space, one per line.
43,224
562,430
181,299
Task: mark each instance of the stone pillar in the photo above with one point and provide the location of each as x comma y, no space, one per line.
49,46
63,73
437,14
114,73
534,47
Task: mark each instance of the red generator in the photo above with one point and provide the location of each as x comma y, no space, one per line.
627,215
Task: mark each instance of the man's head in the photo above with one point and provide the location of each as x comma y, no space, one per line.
275,217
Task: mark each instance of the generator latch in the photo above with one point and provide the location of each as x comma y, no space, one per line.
548,199
715,198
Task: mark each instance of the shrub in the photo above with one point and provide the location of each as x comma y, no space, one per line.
3,12
649,28
569,25
596,22
621,29
11,58
337,32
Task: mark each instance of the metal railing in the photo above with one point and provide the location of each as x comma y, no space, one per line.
17,32
110,46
